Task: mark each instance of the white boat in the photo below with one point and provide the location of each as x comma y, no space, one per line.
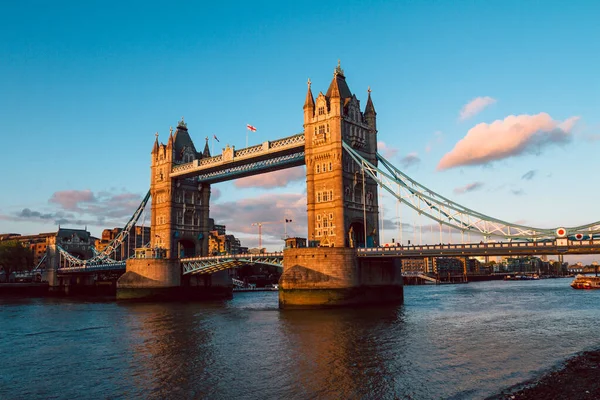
586,282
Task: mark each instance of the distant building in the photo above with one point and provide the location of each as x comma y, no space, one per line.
138,237
294,242
221,243
78,242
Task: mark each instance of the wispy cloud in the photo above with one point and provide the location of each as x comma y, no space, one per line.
386,150
517,192
409,160
471,187
506,138
529,175
475,106
437,139
274,179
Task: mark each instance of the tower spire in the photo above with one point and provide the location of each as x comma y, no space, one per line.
206,152
155,148
310,101
369,108
338,88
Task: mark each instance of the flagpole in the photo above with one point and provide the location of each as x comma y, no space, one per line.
247,137
212,145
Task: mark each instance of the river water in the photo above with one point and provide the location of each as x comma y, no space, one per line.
464,341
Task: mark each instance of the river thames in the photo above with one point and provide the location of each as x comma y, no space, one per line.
465,341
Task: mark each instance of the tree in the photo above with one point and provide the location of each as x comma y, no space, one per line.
15,257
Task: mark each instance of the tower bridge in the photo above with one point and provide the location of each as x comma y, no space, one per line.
343,175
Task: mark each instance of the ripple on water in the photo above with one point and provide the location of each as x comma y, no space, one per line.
447,341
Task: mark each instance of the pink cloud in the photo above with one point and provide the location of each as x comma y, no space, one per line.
468,188
510,137
386,150
70,199
279,178
475,106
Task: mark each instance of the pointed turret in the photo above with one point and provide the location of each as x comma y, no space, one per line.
206,152
170,142
370,109
155,147
370,114
309,104
310,101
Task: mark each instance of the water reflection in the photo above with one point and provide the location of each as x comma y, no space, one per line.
353,353
449,341
166,340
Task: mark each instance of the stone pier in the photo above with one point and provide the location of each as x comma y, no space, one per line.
326,277
161,279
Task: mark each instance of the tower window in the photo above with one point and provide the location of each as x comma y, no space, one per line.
330,167
321,110
318,168
321,129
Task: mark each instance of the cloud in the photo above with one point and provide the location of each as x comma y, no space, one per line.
82,207
274,179
517,192
386,150
592,138
70,199
529,175
28,213
410,160
437,139
475,106
506,138
468,188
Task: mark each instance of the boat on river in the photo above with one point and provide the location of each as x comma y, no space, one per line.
586,282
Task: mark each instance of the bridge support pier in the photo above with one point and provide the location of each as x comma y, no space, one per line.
326,277
161,279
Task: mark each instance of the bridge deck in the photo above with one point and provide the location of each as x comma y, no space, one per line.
278,154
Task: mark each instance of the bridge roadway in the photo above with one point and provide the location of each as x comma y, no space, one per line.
554,247
212,264
232,164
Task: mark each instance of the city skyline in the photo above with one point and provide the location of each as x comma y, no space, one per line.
489,105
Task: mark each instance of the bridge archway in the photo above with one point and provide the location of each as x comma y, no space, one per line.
355,237
186,248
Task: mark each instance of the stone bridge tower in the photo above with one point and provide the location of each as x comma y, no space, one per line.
180,206
341,206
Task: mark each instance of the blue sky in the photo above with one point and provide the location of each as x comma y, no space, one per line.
86,85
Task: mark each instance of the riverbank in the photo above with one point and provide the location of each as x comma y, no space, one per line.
577,379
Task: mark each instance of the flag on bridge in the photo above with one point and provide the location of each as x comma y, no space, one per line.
215,136
250,128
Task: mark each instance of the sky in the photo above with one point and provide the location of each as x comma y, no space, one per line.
492,104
